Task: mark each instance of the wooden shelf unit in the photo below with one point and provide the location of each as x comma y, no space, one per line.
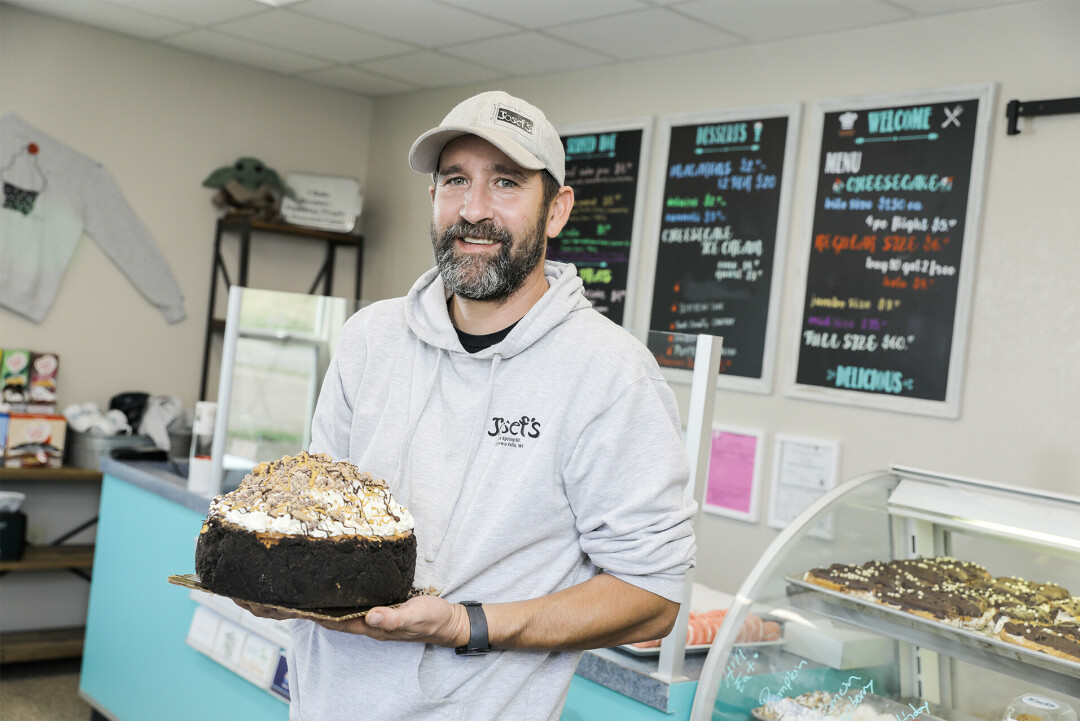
246,230
51,475
47,644
41,644
52,558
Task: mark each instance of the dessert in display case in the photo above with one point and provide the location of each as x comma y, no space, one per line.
908,595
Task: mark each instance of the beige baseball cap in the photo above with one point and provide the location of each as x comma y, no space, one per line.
510,124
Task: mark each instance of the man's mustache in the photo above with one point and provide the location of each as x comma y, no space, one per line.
485,230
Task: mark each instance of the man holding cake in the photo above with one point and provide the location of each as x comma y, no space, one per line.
534,442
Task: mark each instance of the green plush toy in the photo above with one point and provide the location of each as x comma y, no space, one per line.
248,188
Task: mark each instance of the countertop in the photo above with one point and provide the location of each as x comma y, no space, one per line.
620,671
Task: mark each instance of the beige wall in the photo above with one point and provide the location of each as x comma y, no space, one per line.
1019,411
161,120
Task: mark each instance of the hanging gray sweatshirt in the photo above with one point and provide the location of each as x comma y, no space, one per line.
52,195
528,467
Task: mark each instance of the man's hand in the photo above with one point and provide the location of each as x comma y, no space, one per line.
424,619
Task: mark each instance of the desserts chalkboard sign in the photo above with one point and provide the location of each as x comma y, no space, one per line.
889,257
604,167
719,236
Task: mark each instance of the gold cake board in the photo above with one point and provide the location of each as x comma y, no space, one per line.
191,580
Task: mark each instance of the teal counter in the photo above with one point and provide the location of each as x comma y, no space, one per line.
137,665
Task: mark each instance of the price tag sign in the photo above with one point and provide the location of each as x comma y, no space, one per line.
322,201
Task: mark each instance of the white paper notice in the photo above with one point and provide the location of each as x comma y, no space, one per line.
804,470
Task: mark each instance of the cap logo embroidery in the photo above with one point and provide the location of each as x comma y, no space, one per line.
504,115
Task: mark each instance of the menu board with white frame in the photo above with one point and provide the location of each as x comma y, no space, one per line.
888,262
605,165
722,197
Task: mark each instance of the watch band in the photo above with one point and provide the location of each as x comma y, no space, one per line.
478,631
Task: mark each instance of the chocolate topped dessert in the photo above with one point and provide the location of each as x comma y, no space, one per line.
306,532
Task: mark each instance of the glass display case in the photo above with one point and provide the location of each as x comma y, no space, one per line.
860,650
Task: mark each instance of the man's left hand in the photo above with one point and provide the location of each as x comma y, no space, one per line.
423,619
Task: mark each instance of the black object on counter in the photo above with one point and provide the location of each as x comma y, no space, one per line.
132,404
12,535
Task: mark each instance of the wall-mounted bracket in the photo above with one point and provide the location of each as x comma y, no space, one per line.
1017,108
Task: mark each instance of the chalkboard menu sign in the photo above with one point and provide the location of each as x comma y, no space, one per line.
719,236
891,247
604,167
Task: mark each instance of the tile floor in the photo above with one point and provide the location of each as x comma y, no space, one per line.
42,691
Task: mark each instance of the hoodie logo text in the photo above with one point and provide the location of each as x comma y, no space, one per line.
512,432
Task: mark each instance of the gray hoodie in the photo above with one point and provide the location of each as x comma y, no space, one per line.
529,467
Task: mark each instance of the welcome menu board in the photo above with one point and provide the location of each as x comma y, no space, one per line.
888,265
720,236
604,167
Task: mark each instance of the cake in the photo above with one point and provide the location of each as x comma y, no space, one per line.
305,532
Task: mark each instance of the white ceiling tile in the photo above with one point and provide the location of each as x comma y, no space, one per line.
533,15
358,81
432,70
420,22
115,18
309,36
527,54
195,12
244,52
644,34
759,21
940,7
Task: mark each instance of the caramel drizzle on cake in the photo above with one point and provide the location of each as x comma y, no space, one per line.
311,495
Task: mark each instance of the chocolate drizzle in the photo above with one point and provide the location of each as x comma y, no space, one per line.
960,593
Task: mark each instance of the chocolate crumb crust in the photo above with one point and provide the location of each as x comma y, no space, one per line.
339,572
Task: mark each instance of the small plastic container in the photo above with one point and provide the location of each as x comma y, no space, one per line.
202,439
1035,707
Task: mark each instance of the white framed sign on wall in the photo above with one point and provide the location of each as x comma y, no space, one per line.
888,263
718,236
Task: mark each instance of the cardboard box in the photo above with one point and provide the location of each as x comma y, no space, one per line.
35,440
43,371
15,377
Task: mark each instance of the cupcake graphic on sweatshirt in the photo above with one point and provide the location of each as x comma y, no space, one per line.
23,180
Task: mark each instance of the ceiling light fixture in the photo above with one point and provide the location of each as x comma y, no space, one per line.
278,3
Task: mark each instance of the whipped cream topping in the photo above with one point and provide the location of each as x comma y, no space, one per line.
311,495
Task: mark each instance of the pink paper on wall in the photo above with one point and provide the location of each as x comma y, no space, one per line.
731,471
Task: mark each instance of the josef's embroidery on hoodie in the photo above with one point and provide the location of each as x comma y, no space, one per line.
512,433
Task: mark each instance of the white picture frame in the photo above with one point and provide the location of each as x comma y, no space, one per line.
803,470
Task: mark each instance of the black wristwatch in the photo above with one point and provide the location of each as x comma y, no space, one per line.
478,631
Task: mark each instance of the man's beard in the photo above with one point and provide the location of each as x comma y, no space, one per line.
484,277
